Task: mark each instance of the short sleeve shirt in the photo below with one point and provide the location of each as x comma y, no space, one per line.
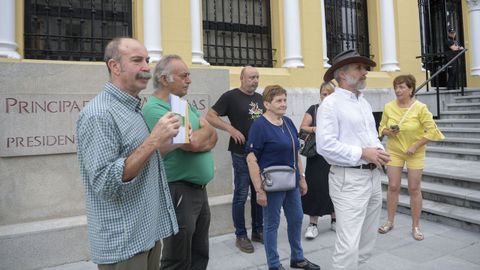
417,124
271,144
194,167
241,110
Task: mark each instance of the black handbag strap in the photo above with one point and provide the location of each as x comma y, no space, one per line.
293,144
314,117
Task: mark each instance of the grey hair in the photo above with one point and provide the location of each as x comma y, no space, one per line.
336,74
112,51
162,68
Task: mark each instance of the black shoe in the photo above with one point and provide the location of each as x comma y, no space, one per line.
276,268
257,237
305,264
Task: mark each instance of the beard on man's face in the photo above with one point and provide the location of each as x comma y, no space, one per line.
356,83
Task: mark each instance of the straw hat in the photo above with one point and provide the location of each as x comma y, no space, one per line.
345,58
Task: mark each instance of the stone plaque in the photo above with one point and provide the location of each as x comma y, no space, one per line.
42,124
39,124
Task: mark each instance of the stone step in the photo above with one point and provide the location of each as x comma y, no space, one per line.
453,153
443,193
463,106
469,91
458,142
468,123
459,173
472,90
451,215
44,243
467,99
461,132
53,242
472,114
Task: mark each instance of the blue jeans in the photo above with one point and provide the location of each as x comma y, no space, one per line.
292,207
242,183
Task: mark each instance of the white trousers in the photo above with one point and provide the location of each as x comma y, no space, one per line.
357,198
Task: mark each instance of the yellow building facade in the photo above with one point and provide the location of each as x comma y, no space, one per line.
176,37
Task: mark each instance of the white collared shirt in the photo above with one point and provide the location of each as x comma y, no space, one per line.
345,125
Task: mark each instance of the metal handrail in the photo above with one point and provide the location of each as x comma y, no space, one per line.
441,69
462,52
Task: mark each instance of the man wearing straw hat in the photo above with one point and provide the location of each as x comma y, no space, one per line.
347,138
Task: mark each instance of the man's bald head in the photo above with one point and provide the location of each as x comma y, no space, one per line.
249,80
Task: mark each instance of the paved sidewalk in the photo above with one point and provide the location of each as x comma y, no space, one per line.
444,247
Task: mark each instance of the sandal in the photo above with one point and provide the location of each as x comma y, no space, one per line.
385,228
417,234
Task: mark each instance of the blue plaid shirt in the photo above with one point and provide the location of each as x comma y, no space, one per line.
123,218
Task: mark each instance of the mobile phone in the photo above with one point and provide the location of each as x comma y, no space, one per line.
394,127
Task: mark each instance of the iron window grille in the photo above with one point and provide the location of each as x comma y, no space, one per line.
74,29
237,32
346,23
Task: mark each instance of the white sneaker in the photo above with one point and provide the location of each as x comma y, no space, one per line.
312,232
333,226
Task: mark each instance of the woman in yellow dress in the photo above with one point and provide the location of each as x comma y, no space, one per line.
409,126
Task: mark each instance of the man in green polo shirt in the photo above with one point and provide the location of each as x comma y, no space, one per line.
189,168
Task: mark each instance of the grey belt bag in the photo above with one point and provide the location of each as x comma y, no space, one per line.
278,178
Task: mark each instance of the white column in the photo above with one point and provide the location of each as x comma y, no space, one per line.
389,44
152,36
195,16
8,47
324,35
474,48
291,26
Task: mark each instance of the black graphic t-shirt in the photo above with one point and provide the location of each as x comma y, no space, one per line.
241,109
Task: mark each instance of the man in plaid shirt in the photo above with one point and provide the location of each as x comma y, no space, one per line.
128,204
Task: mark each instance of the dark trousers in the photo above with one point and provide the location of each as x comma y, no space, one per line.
242,184
452,80
188,249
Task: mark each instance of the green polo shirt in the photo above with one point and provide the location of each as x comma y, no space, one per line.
194,167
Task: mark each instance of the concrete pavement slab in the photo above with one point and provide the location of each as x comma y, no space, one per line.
381,261
448,263
444,247
470,253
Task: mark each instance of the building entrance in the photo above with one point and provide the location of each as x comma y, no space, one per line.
437,17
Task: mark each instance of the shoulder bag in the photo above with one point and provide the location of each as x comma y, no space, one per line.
280,177
309,146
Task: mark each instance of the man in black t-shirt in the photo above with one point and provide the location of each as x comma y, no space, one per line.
242,106
453,47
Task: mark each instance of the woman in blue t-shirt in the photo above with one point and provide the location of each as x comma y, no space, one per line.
269,143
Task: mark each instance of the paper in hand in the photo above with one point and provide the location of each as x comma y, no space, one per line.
180,108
